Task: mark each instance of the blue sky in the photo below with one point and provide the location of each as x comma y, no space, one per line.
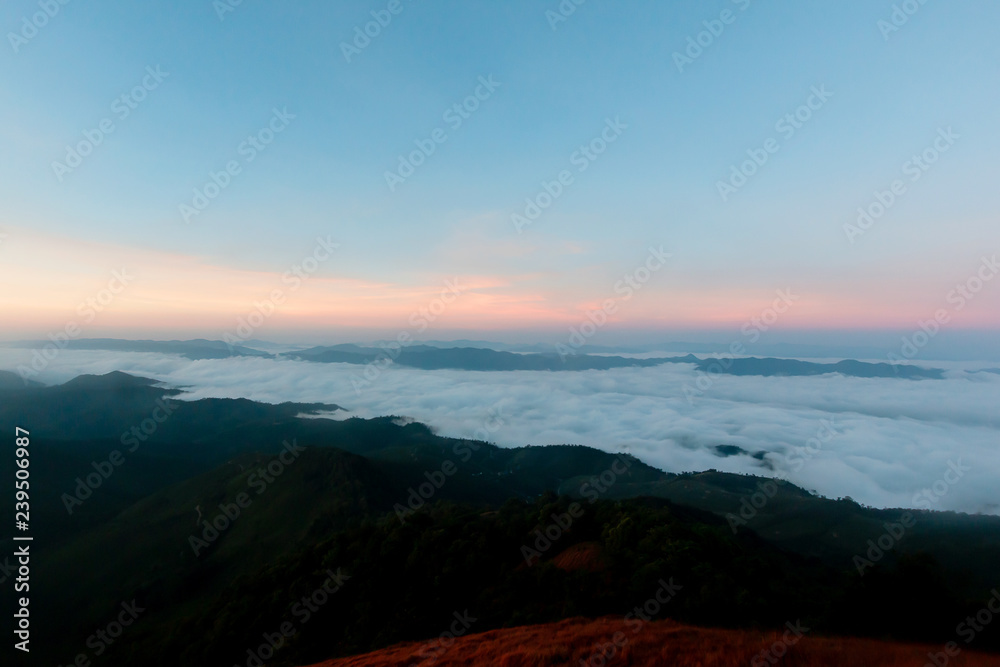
656,185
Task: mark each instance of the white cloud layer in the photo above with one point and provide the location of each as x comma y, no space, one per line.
895,437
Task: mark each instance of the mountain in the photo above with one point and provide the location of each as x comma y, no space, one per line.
795,367
229,511
482,359
473,358
524,563
192,349
12,382
110,406
479,358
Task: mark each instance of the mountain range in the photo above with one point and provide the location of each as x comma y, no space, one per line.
215,516
433,357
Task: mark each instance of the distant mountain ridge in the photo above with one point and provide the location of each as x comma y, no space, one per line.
432,357
198,348
483,359
428,357
795,367
10,381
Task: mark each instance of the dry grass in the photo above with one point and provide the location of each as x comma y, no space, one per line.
586,556
657,643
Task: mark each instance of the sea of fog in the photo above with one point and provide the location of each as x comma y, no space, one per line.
892,439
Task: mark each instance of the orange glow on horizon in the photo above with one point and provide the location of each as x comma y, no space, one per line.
54,281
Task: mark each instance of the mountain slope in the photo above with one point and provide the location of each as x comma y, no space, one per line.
433,523
649,644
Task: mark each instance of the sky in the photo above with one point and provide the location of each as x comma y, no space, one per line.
172,167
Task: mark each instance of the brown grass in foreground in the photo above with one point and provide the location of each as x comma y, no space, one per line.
653,644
